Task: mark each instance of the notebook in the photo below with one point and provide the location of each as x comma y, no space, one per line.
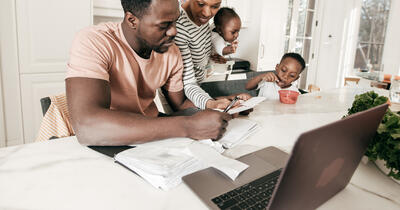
320,165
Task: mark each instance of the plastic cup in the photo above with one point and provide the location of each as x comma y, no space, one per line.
288,96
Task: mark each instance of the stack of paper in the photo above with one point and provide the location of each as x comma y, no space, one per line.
164,163
237,131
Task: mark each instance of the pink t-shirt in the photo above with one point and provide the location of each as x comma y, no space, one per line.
102,52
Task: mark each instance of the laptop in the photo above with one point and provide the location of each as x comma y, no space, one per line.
320,165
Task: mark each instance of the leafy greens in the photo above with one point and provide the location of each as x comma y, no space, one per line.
386,143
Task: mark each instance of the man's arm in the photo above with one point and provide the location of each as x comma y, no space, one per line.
95,124
177,100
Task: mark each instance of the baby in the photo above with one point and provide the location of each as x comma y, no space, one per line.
286,72
223,36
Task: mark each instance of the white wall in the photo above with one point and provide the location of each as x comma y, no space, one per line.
391,53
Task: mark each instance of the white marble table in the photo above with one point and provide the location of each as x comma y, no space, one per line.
61,174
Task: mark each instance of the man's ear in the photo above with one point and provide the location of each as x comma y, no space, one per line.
131,20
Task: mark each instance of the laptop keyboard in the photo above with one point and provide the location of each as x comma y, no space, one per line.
254,195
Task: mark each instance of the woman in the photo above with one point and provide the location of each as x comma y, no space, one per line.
194,41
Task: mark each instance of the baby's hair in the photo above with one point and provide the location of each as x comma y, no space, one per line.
297,57
223,15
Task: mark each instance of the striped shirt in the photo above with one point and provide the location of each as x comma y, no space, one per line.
194,42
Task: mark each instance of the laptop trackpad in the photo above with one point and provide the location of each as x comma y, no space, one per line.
258,167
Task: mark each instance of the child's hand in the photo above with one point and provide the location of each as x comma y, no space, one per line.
270,77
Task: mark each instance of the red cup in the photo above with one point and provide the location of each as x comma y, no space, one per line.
288,96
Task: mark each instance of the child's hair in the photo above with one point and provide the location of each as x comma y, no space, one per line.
223,15
297,57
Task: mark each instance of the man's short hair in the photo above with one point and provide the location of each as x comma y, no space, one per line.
136,7
223,15
297,57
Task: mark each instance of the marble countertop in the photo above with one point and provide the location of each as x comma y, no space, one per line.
62,174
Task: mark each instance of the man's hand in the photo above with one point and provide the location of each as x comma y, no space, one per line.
207,124
218,58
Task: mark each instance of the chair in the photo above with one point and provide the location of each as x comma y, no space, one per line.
347,80
229,87
45,104
313,88
55,123
382,85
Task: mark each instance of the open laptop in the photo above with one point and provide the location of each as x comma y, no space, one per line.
321,164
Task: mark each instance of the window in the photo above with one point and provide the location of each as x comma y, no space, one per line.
299,30
371,35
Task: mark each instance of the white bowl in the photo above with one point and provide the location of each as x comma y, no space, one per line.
381,165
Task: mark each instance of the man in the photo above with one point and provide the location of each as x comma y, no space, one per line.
114,71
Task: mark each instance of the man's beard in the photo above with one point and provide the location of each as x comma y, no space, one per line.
163,47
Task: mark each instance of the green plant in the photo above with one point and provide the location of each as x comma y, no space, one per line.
386,143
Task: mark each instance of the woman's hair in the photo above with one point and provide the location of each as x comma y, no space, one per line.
136,7
224,15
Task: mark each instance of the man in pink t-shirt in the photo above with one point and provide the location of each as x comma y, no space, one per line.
113,74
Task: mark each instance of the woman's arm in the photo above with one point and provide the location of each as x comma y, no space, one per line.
192,90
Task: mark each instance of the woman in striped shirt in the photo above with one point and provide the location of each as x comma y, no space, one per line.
194,41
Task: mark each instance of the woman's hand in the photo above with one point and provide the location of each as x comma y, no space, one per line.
223,101
242,96
220,103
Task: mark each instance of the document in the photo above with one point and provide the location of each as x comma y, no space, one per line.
237,131
164,163
252,102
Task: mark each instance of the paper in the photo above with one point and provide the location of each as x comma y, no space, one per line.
237,131
252,102
230,167
163,163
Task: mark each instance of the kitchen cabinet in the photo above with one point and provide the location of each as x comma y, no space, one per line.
35,40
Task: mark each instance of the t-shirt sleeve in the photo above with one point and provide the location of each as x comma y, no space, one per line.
89,56
174,82
217,42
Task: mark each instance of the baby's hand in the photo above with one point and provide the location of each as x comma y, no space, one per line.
235,43
231,49
270,77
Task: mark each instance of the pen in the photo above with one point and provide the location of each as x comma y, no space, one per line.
231,104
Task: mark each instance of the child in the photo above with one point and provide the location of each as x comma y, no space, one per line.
286,72
223,36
